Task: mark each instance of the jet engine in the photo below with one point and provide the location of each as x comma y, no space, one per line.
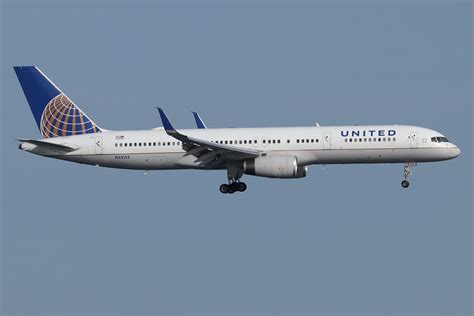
283,167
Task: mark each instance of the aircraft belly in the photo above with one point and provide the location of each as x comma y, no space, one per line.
152,161
177,160
392,155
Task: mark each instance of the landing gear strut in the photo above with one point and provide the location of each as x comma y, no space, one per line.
406,173
234,173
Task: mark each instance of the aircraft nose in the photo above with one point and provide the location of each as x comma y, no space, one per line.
457,151
454,151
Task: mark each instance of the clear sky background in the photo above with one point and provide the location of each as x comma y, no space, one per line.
346,240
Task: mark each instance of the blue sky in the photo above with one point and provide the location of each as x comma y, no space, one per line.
346,240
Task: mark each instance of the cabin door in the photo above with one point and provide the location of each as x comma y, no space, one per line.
99,146
413,140
327,140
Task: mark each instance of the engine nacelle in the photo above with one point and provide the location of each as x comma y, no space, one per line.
275,167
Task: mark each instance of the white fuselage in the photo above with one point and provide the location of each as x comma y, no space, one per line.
155,150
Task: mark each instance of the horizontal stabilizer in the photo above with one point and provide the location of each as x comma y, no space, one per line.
48,145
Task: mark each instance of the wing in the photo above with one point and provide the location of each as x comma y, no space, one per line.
208,154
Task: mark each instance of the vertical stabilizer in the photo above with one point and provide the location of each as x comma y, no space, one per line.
54,113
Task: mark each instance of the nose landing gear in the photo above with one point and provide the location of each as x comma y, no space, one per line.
406,173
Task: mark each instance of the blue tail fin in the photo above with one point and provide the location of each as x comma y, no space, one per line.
55,114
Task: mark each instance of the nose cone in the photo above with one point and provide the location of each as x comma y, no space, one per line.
457,151
454,152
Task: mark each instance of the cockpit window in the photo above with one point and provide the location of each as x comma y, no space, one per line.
439,139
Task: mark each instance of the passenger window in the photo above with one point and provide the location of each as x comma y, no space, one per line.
169,143
139,144
120,144
384,139
355,140
116,145
144,144
135,144
345,140
125,144
365,140
317,140
297,140
380,139
154,143
287,141
278,141
350,140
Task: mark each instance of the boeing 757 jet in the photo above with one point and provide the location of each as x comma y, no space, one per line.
285,153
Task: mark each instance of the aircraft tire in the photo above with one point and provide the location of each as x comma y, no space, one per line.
242,186
233,187
224,188
405,184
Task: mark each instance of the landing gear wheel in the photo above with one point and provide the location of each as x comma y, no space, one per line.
224,188
232,188
242,186
405,184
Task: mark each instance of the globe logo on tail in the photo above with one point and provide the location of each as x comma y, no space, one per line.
61,117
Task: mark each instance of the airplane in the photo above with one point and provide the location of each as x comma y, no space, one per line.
284,153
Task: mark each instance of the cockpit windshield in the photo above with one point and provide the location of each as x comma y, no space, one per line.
439,139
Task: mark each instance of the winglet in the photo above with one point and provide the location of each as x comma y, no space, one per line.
199,123
166,123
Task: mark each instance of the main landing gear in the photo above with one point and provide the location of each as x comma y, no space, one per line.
233,187
406,173
234,173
